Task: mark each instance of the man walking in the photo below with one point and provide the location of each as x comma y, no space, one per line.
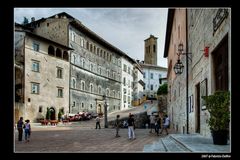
117,125
98,123
152,123
20,124
131,127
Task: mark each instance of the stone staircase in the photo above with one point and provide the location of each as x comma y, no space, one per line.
166,144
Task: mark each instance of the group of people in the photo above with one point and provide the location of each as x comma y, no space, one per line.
131,126
27,129
157,123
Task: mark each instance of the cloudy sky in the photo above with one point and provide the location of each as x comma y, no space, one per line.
125,28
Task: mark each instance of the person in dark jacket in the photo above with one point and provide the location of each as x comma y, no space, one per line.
117,125
20,124
131,127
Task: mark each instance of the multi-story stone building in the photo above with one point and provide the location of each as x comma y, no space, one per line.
176,34
206,35
41,75
138,85
95,65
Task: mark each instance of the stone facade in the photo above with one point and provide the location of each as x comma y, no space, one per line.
201,76
150,53
201,34
138,85
176,34
46,77
95,65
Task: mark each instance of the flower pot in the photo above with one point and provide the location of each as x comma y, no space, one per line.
220,137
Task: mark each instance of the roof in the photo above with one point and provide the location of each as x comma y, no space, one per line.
76,23
143,65
151,36
168,31
44,39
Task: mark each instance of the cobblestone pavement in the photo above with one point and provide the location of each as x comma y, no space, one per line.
83,137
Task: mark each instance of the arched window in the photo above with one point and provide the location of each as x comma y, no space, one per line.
113,93
65,55
107,92
51,51
99,90
82,105
91,88
83,63
87,45
73,59
90,47
73,83
83,85
58,53
91,106
91,67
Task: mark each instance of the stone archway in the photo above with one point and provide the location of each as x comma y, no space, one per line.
52,113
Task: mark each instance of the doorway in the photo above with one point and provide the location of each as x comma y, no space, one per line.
52,114
197,110
220,62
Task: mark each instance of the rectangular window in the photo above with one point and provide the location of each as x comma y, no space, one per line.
129,71
154,48
125,98
124,81
151,75
59,72
151,87
73,37
35,46
125,67
35,66
82,41
60,92
144,75
35,88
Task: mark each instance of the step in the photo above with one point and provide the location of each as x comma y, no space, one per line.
173,146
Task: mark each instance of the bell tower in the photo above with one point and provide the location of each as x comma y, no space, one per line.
150,50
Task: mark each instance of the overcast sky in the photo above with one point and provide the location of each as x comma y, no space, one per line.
125,28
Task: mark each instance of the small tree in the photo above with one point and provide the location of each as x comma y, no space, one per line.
163,89
48,114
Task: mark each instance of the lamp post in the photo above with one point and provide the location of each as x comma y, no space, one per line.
105,112
178,69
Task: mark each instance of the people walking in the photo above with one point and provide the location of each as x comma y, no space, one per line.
166,123
152,123
157,124
27,128
20,128
117,125
131,127
98,123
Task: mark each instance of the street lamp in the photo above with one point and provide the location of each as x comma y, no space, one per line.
105,112
178,69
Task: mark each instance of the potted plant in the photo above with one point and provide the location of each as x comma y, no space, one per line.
218,107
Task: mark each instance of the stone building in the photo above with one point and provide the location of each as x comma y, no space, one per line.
206,37
150,53
95,64
138,85
41,75
210,69
176,34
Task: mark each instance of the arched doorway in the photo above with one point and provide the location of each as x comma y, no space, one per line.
99,109
52,114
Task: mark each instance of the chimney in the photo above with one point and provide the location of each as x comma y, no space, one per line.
32,19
